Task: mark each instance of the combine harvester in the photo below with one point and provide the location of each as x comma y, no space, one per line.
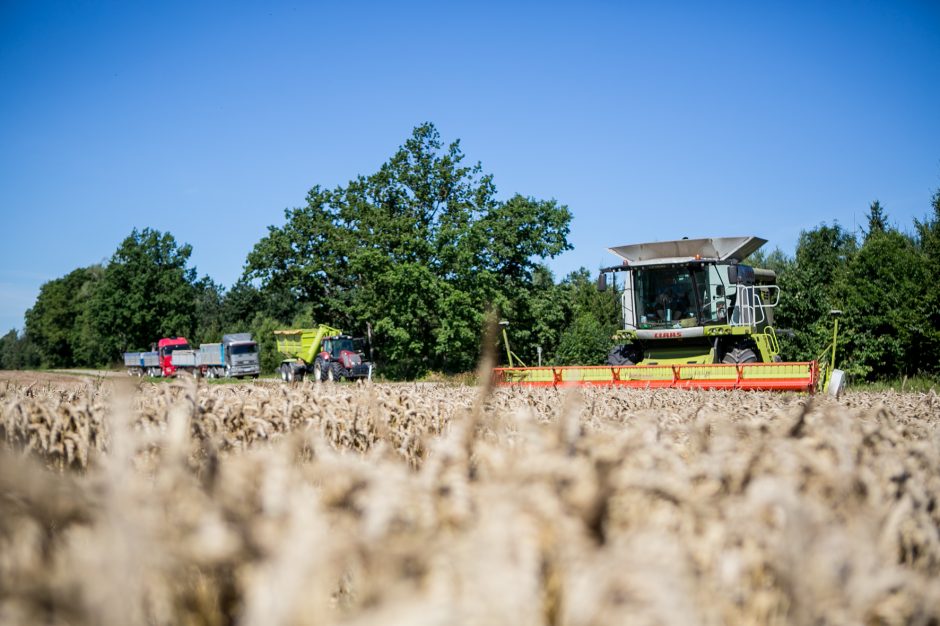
693,317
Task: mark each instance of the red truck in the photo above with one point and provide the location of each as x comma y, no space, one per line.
160,362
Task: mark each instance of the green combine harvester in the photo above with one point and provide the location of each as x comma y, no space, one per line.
693,316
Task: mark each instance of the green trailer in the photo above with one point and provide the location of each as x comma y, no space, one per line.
323,353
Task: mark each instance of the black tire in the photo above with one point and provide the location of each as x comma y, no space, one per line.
319,370
739,356
283,371
334,374
622,355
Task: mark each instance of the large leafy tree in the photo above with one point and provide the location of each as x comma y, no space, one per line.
17,352
926,349
593,318
880,294
146,291
54,323
418,249
808,289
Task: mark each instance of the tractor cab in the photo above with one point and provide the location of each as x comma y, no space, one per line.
335,346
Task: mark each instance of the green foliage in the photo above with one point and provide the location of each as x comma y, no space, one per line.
18,352
877,220
262,329
419,249
572,321
880,290
888,289
808,290
926,349
55,323
209,314
583,343
595,315
777,261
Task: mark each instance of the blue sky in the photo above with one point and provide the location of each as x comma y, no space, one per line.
649,120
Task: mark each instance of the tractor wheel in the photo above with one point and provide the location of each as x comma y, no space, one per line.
319,370
738,356
333,374
283,371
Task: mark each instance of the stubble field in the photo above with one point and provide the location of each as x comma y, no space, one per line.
186,503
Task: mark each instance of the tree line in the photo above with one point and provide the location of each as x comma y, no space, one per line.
416,254
413,255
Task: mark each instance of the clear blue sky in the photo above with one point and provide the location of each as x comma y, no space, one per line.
649,120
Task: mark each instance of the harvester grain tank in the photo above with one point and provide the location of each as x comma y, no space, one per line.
324,353
692,316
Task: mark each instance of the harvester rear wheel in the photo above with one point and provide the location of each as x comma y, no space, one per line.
283,371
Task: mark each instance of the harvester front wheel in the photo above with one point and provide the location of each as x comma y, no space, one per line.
737,356
622,355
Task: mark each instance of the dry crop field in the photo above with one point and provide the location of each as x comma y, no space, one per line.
184,503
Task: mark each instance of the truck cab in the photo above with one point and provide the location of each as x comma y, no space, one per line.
241,355
165,349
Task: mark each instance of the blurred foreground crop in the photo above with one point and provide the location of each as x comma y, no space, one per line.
434,504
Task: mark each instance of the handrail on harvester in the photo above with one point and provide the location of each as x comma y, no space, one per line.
795,376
